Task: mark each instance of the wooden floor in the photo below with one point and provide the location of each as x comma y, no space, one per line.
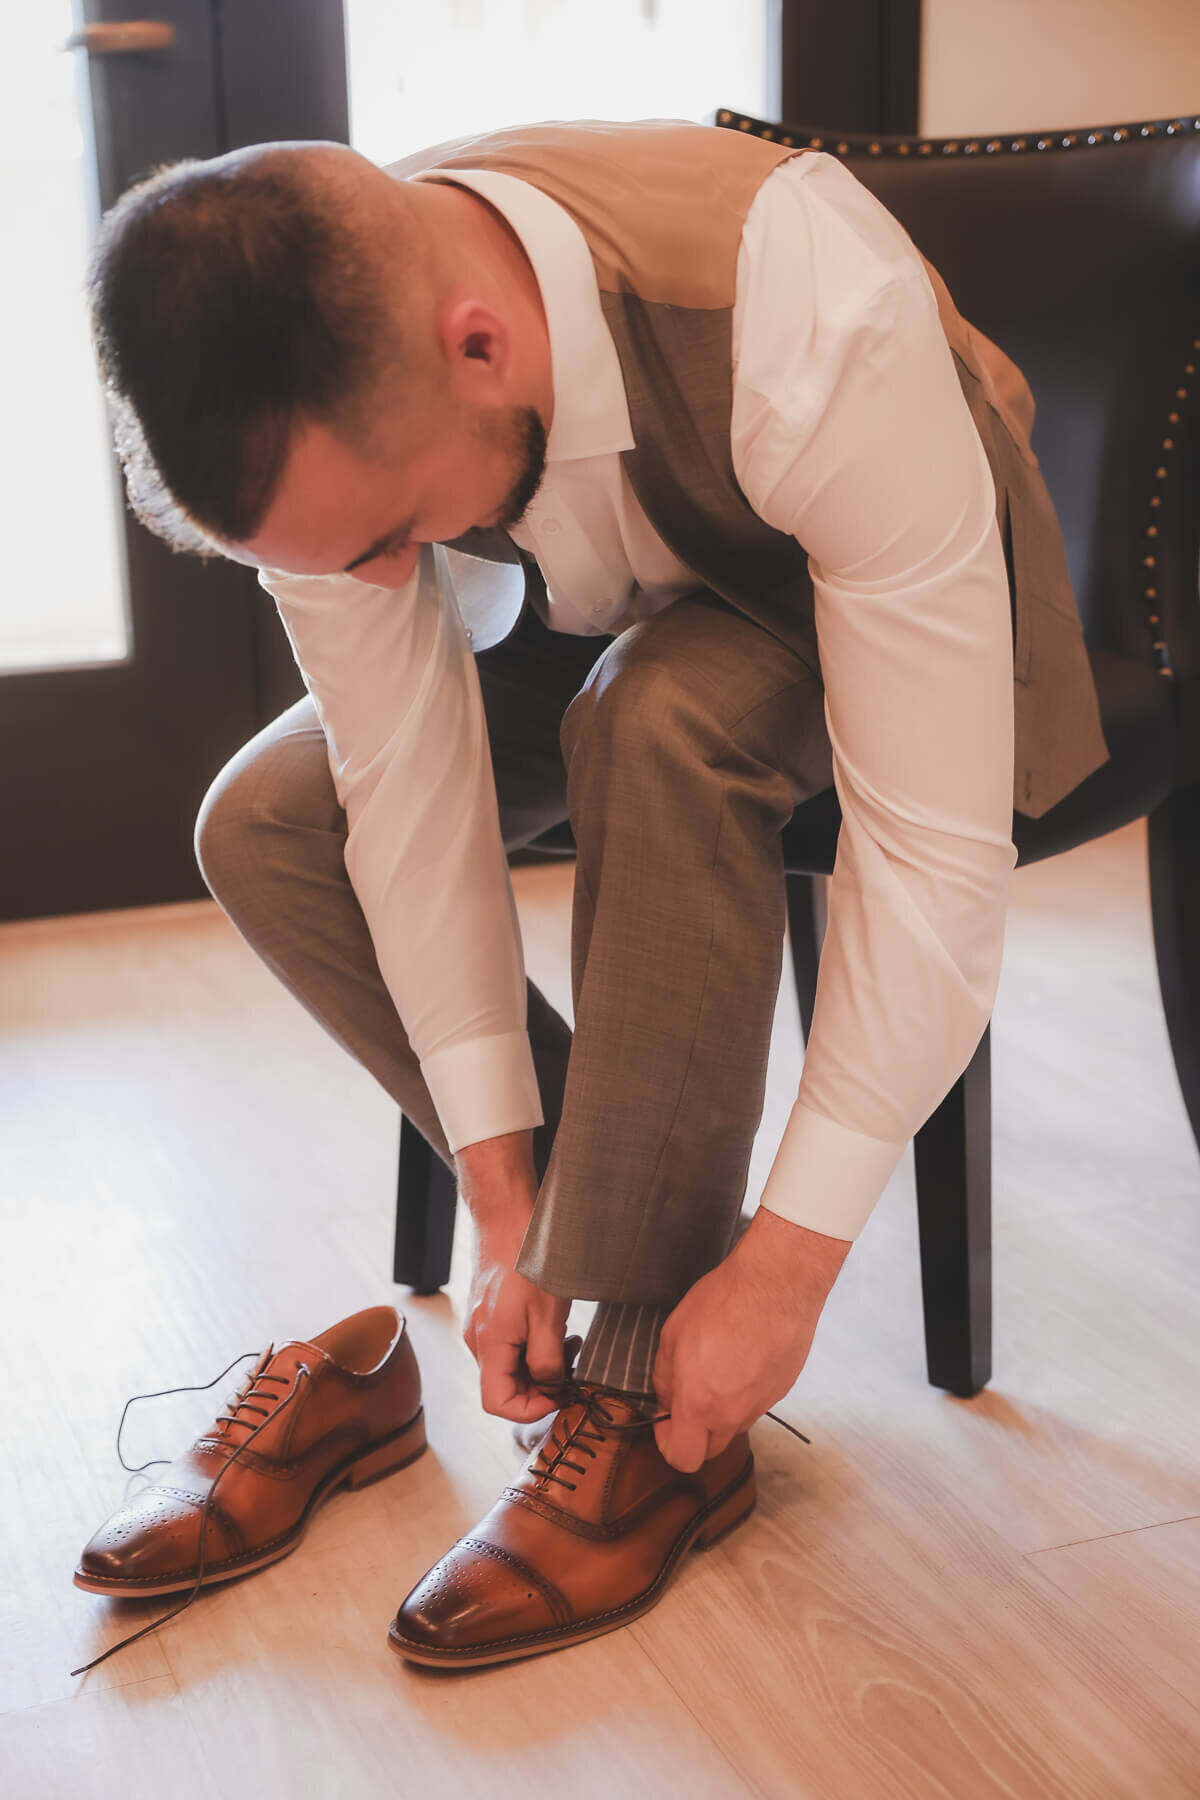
939,1600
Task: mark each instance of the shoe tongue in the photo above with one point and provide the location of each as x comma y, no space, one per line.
286,1358
621,1410
282,1360
622,1406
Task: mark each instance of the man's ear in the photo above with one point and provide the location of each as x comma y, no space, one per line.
475,342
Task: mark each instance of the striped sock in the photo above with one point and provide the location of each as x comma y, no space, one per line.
620,1348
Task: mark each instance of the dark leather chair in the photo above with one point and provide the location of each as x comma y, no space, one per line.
1078,252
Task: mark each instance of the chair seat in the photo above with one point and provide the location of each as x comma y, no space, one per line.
1137,712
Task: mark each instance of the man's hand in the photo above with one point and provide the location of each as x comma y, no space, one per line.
739,1338
513,1329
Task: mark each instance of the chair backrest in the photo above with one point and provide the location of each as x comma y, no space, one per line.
1078,252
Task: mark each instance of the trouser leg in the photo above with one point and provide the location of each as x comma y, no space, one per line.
693,739
271,842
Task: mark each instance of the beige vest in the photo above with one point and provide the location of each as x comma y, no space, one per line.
662,206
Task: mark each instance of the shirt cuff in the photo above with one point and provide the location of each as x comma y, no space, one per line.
484,1088
827,1177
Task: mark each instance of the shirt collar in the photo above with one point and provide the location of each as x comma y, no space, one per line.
591,413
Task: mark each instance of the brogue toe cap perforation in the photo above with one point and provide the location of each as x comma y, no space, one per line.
476,1593
157,1532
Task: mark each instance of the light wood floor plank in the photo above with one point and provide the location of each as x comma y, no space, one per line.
1150,1582
108,1744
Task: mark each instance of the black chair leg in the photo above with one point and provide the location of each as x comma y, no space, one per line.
954,1209
806,928
426,1203
1173,848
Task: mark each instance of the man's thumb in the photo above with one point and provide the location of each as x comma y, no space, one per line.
544,1350
664,1375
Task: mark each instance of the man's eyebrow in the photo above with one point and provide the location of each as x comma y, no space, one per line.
380,544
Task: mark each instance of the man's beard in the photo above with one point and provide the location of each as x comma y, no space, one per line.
519,432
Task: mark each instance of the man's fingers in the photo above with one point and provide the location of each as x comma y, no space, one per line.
504,1386
525,1409
683,1442
664,1374
514,1362
544,1348
496,1387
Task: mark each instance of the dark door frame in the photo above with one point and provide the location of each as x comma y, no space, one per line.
851,66
105,765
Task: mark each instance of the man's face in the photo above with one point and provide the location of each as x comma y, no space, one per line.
342,509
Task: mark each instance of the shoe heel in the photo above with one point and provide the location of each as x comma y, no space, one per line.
731,1512
395,1453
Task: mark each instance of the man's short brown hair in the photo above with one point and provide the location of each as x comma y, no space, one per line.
229,301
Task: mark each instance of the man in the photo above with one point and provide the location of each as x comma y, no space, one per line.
704,398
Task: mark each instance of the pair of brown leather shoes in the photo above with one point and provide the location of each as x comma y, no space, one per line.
584,1540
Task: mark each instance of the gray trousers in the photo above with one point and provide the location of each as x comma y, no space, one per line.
678,751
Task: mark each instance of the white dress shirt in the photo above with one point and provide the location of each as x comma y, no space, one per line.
849,432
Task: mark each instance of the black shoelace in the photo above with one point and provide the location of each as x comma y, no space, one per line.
243,1399
594,1423
565,1393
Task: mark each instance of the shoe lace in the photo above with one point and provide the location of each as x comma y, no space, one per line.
242,1399
592,1426
594,1423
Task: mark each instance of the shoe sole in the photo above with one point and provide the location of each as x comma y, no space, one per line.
382,1458
717,1519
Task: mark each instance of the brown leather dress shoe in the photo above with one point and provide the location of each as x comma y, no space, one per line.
340,1410
585,1539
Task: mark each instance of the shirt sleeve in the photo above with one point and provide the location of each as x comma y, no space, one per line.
851,433
393,679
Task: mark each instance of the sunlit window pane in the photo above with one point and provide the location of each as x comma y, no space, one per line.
422,74
62,600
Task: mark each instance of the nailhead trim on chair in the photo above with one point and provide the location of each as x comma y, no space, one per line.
909,146
1150,560
1065,140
